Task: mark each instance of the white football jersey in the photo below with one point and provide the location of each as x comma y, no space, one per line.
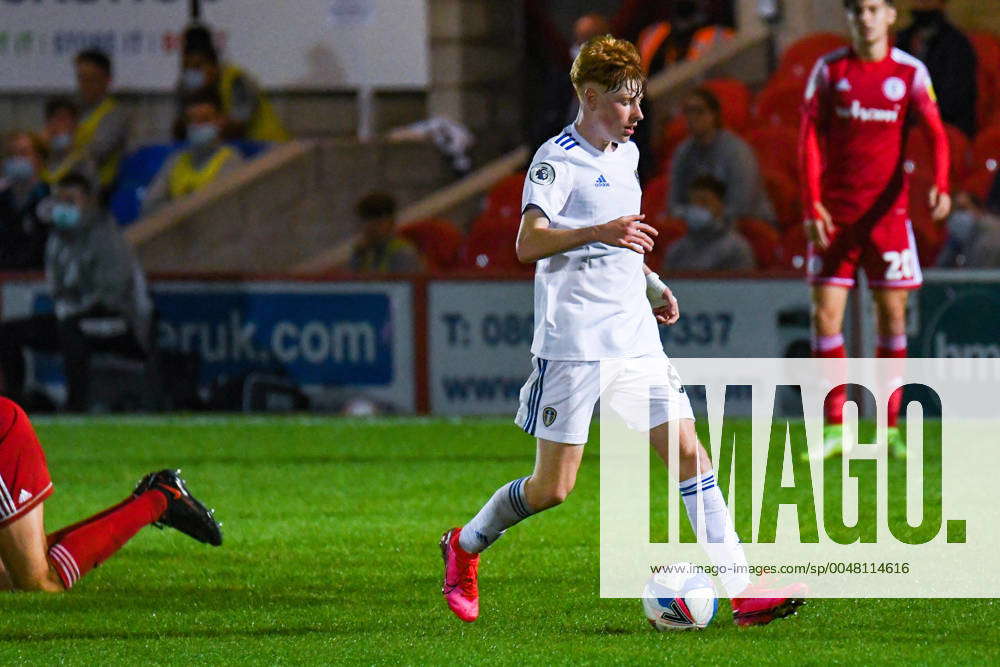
590,301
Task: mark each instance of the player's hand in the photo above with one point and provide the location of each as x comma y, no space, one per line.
669,312
820,229
629,232
940,203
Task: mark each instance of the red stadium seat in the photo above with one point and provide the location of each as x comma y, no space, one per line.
670,230
793,247
650,41
734,97
777,149
675,131
798,59
438,240
987,47
784,195
708,38
765,241
655,195
780,103
504,198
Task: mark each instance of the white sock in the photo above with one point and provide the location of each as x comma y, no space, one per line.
716,533
504,509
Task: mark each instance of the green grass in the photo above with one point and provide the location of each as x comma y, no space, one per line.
331,556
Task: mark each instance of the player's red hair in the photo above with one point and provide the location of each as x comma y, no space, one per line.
611,62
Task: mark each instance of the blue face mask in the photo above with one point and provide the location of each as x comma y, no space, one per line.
60,142
202,134
192,79
698,218
65,216
17,168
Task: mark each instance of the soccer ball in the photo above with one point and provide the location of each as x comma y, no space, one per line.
680,600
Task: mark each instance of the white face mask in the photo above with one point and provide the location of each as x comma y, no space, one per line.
60,142
698,218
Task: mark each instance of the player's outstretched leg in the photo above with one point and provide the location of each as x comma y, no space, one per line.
549,485
712,524
161,499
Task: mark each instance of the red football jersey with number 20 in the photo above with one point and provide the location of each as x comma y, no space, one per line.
856,116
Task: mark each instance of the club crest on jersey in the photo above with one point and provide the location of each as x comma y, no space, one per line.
549,416
893,88
542,173
602,182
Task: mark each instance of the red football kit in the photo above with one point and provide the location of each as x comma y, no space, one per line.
855,120
24,477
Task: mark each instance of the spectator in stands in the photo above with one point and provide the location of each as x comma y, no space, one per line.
247,111
712,149
711,242
102,133
380,249
22,235
99,293
62,117
204,160
973,240
950,59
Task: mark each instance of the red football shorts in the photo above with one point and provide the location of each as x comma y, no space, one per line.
24,477
886,250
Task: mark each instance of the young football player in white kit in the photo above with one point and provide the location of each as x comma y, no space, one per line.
593,298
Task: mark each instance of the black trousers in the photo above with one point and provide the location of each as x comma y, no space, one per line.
74,338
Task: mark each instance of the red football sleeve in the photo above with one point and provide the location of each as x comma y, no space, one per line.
925,104
810,156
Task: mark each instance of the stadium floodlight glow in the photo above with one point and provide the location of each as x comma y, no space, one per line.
863,524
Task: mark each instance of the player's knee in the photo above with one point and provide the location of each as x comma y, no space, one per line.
550,495
826,319
37,580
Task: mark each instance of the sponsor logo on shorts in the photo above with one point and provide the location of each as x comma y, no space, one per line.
548,416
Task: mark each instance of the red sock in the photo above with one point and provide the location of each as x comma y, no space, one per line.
832,347
895,373
77,549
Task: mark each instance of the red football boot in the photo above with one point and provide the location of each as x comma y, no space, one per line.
760,606
461,572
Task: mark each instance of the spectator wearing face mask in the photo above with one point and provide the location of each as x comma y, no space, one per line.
100,136
950,59
22,235
204,160
247,112
711,243
713,150
98,290
61,119
973,240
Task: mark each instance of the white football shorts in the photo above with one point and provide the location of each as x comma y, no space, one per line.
557,402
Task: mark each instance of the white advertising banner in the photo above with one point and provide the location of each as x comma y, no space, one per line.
306,44
479,333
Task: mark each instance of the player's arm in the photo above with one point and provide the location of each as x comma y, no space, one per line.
660,297
536,239
925,105
818,223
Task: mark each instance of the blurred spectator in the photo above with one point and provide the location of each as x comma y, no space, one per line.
381,249
973,239
950,59
711,242
98,289
247,111
714,150
61,119
104,127
204,160
22,235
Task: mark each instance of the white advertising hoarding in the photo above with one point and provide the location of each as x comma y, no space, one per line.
306,44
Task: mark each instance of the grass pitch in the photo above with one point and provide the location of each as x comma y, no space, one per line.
331,556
